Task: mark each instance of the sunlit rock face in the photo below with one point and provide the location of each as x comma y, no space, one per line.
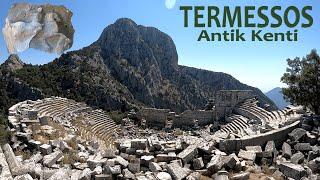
44,27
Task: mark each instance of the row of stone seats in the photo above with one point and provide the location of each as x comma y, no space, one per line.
103,127
250,109
254,109
59,111
64,111
238,125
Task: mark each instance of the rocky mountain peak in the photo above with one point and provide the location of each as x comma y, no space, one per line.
13,63
125,21
140,46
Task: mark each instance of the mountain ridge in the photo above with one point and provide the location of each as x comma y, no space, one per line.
130,66
277,97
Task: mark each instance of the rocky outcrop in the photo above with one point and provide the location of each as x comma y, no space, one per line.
13,63
44,27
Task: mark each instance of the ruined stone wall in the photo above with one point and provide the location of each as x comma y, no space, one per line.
189,118
155,117
226,100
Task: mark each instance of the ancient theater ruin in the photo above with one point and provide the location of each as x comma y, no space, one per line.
242,122
59,138
76,118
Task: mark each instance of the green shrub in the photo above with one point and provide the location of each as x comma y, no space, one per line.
4,133
117,116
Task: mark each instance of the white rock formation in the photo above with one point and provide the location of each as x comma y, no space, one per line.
44,27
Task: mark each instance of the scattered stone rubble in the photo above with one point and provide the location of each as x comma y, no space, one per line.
44,27
251,143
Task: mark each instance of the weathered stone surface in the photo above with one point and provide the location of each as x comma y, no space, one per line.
51,159
145,160
15,166
198,163
154,167
121,161
286,150
134,165
86,174
64,146
109,153
5,170
297,158
34,158
112,170
188,154
44,120
310,138
314,164
127,174
269,149
302,147
207,147
60,174
165,157
45,149
97,170
297,134
221,175
139,144
247,155
75,174
215,164
23,177
43,27
103,177
177,172
292,170
256,149
164,176
231,161
194,176
94,161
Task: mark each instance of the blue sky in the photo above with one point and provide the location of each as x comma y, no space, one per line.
259,64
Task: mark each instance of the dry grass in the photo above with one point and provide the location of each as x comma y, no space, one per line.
266,170
73,143
205,178
36,127
43,137
177,132
60,131
24,154
71,158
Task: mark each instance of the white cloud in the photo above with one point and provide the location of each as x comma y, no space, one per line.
170,3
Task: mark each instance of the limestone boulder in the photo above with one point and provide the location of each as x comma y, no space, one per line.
188,154
43,27
292,170
247,155
178,172
52,158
